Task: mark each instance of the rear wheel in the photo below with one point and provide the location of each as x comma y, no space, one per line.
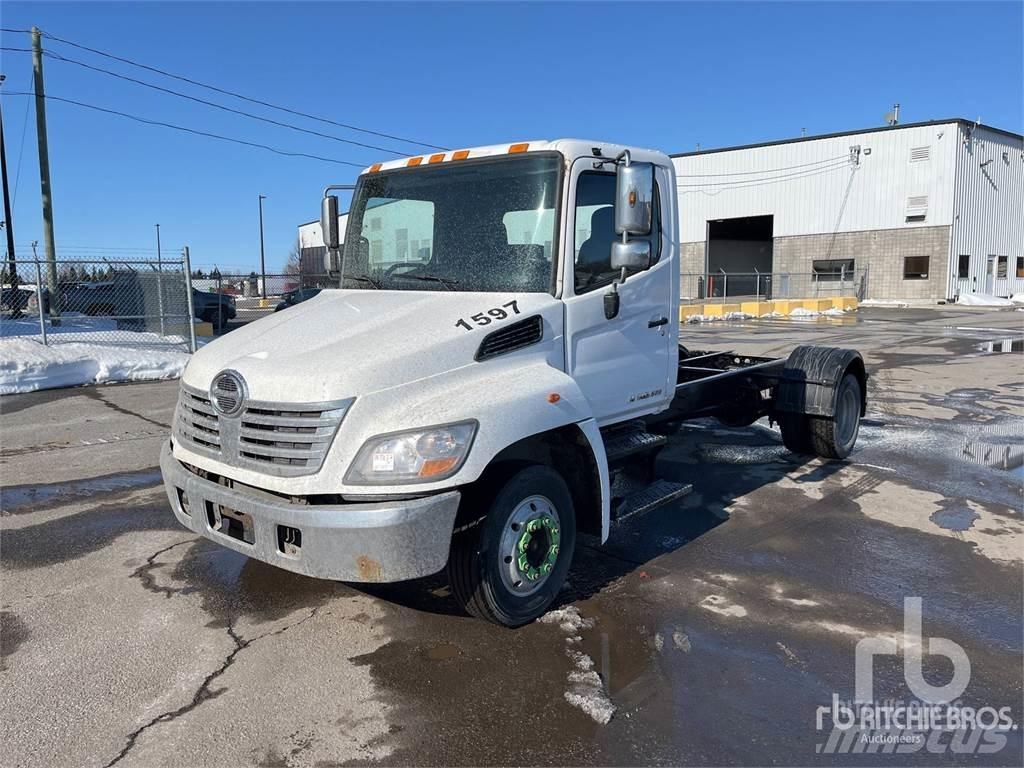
829,437
834,438
509,565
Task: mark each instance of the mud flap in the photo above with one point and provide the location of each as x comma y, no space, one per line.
810,380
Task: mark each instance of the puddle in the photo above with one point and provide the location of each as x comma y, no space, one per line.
956,519
996,456
1000,346
28,497
742,454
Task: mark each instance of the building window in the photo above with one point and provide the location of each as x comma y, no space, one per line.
402,244
1001,265
833,270
915,267
1020,266
963,267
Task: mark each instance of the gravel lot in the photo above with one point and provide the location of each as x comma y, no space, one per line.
717,625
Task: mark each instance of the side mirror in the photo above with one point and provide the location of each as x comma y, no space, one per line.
634,198
329,222
633,255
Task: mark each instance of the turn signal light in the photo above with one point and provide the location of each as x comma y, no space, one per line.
433,467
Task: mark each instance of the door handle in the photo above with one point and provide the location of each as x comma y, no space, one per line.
657,323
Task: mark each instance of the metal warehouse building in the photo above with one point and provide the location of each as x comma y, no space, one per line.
923,211
920,212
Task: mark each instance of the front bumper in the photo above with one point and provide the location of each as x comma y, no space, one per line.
380,541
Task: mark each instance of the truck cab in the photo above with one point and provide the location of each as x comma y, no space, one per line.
504,339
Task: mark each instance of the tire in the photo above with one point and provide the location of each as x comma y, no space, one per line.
796,432
834,438
481,569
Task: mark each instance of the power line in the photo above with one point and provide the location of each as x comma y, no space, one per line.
236,95
21,144
194,131
835,164
215,105
759,183
765,170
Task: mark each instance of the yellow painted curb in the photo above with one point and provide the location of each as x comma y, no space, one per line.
720,310
785,306
757,308
204,329
689,310
845,302
264,303
816,305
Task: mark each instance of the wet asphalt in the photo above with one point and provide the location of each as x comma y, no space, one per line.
716,626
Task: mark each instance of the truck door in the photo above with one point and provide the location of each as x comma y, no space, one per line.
623,365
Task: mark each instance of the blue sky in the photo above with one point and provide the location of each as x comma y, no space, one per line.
661,75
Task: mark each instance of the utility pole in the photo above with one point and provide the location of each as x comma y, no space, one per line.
263,266
12,266
44,175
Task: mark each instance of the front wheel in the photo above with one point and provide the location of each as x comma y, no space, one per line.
509,565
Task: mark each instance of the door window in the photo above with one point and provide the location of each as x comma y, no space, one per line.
595,230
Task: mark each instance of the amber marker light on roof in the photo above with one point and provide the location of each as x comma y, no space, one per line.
461,154
375,167
436,158
414,161
514,148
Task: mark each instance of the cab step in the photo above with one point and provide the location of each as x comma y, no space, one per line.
657,494
629,441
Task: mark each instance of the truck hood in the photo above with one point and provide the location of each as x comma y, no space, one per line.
346,343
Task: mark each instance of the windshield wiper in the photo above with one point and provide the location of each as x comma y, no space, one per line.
365,279
447,282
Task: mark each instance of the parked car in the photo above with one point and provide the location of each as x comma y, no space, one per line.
92,299
15,299
215,308
297,296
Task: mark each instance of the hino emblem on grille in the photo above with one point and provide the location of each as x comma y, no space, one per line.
227,393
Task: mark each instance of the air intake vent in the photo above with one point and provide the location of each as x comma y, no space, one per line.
512,337
917,154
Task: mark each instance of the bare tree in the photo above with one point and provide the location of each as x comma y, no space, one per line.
293,266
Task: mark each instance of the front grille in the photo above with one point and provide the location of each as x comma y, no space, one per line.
287,439
197,424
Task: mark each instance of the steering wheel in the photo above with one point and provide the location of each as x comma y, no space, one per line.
390,270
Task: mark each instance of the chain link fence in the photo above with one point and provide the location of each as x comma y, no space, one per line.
244,297
139,303
697,287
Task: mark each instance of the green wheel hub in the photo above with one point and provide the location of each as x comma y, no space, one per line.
537,548
529,546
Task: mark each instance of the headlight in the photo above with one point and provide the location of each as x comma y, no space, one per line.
415,456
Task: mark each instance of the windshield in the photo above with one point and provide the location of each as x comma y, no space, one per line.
484,225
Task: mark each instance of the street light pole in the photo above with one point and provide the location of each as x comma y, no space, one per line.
263,266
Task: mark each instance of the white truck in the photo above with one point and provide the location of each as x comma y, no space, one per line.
470,399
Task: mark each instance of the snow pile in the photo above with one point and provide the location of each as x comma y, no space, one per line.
568,619
586,691
1017,298
585,687
983,300
27,365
